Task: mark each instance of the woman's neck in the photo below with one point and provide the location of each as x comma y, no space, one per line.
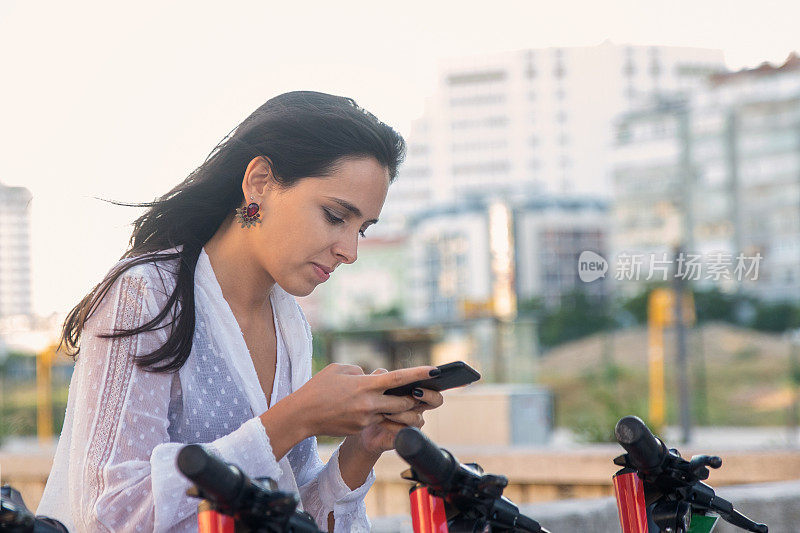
245,285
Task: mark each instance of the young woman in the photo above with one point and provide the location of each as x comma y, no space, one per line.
195,337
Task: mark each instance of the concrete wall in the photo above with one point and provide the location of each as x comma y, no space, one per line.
579,479
775,504
519,415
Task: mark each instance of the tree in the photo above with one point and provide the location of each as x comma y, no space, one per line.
578,316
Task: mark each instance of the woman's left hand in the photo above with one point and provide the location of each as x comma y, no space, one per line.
379,437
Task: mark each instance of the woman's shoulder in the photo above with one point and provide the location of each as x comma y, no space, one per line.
138,283
155,270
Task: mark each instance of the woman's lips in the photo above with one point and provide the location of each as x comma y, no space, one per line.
320,272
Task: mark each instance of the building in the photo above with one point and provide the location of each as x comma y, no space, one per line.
372,287
533,121
15,251
551,234
459,265
717,172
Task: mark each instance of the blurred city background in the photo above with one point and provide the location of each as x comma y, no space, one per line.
601,229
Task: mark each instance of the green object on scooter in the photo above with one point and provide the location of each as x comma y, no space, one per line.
702,523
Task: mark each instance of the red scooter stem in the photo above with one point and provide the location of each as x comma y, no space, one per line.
209,520
427,511
629,491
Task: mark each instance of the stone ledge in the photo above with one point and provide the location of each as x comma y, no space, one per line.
776,504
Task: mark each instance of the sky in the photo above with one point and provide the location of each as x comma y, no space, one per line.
123,100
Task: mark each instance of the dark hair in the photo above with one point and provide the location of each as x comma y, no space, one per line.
302,134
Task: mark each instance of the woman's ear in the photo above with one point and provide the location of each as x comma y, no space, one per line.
258,178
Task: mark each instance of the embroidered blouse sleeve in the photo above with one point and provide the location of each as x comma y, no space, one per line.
321,486
323,490
121,460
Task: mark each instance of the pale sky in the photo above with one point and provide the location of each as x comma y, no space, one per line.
101,99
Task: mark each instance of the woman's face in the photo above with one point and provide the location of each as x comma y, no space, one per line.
314,226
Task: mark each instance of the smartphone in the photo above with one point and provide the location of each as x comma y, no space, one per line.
455,374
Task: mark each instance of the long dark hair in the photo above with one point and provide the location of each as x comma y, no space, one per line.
302,134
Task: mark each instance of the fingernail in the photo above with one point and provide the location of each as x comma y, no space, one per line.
418,393
435,372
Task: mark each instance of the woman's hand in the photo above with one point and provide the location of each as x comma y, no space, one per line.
339,400
379,437
358,453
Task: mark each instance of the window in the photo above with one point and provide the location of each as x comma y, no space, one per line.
470,78
480,99
488,122
560,70
418,171
623,134
655,68
530,70
487,167
470,146
418,149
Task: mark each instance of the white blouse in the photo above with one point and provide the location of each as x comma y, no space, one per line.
114,468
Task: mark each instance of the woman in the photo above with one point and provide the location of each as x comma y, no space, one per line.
195,336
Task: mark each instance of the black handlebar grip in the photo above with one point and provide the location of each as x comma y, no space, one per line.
15,516
215,478
48,525
645,451
434,466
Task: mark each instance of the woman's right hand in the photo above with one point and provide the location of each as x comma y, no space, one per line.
339,400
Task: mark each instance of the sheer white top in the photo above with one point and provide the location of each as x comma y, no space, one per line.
114,468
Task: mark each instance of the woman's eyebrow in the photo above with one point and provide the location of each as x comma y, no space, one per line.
350,207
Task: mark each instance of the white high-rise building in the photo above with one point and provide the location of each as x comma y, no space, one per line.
719,173
453,251
531,121
15,251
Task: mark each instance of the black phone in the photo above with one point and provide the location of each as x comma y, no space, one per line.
455,374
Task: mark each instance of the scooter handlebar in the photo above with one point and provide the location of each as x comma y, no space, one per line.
434,465
645,451
213,476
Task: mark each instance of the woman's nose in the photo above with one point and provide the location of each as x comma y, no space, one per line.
347,251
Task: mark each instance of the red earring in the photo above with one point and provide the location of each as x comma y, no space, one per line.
248,216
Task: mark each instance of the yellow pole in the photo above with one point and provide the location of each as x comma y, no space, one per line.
659,314
655,334
44,404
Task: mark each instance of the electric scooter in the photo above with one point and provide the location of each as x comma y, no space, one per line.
451,497
231,502
659,491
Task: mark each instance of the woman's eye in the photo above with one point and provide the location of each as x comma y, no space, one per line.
336,220
332,219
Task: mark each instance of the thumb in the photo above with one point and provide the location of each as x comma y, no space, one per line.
353,370
379,371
